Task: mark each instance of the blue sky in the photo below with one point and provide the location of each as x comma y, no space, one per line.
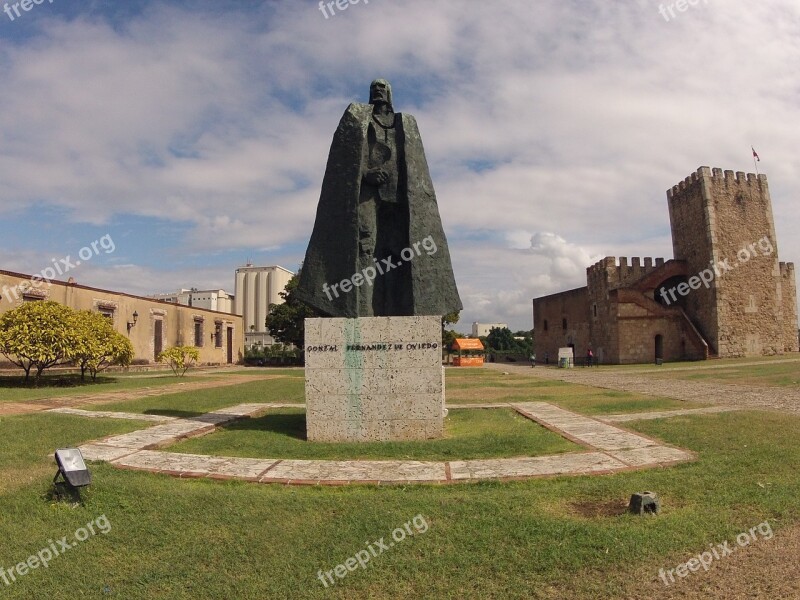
195,133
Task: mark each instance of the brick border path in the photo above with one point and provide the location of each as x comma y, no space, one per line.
610,449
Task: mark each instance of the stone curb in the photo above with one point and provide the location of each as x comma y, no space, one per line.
611,449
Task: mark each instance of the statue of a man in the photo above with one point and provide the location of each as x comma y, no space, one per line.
378,247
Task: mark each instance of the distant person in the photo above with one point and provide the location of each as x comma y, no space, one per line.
547,358
589,357
533,360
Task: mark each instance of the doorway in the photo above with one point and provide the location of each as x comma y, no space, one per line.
659,347
158,339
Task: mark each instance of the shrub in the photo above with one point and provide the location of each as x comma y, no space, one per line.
38,335
179,358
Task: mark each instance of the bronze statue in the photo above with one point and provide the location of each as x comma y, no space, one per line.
378,247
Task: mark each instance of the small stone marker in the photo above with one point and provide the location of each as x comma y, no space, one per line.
644,502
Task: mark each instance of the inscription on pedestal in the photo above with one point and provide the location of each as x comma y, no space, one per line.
374,379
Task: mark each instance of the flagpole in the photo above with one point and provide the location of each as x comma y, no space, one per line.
755,162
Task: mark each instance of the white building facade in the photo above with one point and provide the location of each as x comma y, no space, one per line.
218,300
483,329
256,288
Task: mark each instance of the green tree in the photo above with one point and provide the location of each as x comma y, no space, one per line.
501,339
98,345
525,345
451,318
38,335
180,358
286,321
449,336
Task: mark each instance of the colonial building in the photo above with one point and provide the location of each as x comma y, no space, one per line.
724,294
152,325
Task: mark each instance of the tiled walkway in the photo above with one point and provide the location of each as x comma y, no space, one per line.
609,449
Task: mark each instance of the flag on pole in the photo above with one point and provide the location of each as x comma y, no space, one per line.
755,154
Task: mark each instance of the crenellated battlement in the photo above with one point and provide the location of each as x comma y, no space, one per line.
641,309
717,176
611,273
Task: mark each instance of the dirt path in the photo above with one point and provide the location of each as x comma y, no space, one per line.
767,568
786,399
18,408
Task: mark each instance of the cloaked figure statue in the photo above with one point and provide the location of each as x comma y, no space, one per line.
378,248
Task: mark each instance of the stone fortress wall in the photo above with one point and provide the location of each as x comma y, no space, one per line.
747,307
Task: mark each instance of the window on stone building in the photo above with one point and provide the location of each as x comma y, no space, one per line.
545,324
564,324
218,335
198,333
595,309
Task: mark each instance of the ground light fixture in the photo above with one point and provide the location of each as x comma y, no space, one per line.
72,468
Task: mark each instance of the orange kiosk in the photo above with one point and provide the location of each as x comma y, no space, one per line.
474,352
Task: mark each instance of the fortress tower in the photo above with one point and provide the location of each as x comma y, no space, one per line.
740,297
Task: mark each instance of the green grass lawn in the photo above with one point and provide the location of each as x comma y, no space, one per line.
469,433
476,386
12,388
191,404
266,371
29,441
559,537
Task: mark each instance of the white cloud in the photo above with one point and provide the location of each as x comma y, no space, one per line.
579,115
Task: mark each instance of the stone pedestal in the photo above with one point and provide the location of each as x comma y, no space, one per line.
374,379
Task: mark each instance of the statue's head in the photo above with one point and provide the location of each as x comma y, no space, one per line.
380,92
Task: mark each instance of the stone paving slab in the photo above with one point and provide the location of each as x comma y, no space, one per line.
584,429
107,414
356,470
665,414
99,451
620,450
196,465
242,410
615,441
572,463
652,455
495,405
160,435
176,429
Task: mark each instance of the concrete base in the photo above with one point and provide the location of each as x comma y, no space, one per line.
374,379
